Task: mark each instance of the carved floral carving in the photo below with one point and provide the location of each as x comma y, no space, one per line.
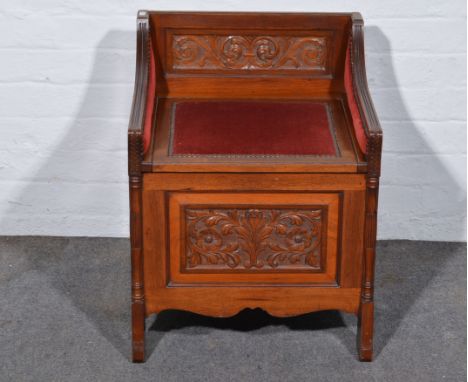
201,52
253,239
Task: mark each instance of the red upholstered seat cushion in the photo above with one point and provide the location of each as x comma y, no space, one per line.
249,128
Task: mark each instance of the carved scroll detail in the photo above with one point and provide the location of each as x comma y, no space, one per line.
205,52
253,239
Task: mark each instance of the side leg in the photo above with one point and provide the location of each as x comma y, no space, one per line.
136,243
138,297
366,309
366,331
138,332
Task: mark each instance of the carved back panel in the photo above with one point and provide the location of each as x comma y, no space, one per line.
248,53
209,47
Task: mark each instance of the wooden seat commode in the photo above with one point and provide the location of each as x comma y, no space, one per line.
254,164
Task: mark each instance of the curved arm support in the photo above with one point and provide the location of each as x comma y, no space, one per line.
363,99
138,111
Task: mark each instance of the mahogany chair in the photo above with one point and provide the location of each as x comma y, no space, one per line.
254,163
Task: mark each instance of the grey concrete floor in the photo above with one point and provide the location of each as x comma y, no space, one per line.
64,316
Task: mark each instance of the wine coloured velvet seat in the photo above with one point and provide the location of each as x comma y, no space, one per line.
254,162
252,128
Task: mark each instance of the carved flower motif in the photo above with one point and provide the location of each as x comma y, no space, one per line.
298,239
209,240
266,50
234,49
186,49
312,52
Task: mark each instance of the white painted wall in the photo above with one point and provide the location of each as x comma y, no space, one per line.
66,83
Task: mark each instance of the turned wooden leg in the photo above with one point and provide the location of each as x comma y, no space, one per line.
138,332
136,243
138,297
366,331
366,309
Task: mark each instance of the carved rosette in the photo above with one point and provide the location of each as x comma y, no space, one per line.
208,52
253,239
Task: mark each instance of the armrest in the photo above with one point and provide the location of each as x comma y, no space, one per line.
141,115
366,122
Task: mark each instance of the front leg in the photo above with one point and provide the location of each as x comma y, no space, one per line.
366,309
366,331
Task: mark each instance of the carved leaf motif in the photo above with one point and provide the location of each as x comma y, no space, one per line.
251,239
226,229
212,220
281,229
295,219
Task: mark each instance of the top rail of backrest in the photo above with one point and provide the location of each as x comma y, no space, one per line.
215,45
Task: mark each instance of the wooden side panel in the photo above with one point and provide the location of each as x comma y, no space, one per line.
352,243
154,237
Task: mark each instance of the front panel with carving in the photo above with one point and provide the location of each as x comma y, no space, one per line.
244,53
253,239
